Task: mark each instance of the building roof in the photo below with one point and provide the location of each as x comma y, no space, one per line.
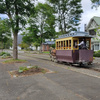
75,34
97,20
49,42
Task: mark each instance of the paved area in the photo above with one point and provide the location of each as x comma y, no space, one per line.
66,83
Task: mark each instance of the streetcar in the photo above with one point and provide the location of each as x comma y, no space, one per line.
67,50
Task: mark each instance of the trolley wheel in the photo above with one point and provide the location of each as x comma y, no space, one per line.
55,60
80,64
52,58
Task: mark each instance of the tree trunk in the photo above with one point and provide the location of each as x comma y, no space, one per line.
64,26
15,50
36,48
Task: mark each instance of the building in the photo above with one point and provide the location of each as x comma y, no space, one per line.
94,30
46,46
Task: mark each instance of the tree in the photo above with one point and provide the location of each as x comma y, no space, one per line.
36,44
18,11
8,44
24,45
68,14
96,3
30,35
5,34
46,21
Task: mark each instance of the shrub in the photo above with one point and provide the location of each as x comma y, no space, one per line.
22,69
96,54
94,58
5,54
36,67
8,54
2,53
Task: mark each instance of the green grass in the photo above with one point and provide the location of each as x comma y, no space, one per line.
15,61
46,52
22,69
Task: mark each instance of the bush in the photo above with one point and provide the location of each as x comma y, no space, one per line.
5,53
4,56
96,54
2,53
22,69
94,58
8,54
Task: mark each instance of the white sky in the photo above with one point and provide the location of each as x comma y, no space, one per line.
86,16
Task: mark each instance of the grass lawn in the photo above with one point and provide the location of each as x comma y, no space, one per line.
46,52
15,61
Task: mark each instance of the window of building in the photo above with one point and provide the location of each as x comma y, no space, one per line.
92,32
96,46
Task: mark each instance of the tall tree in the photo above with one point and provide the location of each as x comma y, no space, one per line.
46,21
5,33
31,34
17,11
68,14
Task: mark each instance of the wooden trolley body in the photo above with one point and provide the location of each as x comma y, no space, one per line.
77,56
67,51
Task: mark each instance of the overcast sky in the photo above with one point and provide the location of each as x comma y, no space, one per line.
86,16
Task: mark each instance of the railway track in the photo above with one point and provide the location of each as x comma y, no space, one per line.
47,59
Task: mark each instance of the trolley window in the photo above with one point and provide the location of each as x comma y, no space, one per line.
88,44
75,42
66,44
56,45
69,44
59,45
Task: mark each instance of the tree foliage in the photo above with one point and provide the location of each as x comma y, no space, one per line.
18,11
24,45
68,14
41,25
31,34
96,3
5,34
45,20
36,44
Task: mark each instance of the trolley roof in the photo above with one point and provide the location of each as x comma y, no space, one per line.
75,34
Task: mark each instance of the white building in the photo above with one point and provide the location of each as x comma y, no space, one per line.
94,29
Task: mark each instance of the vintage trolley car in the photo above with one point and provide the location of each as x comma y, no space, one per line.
67,49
